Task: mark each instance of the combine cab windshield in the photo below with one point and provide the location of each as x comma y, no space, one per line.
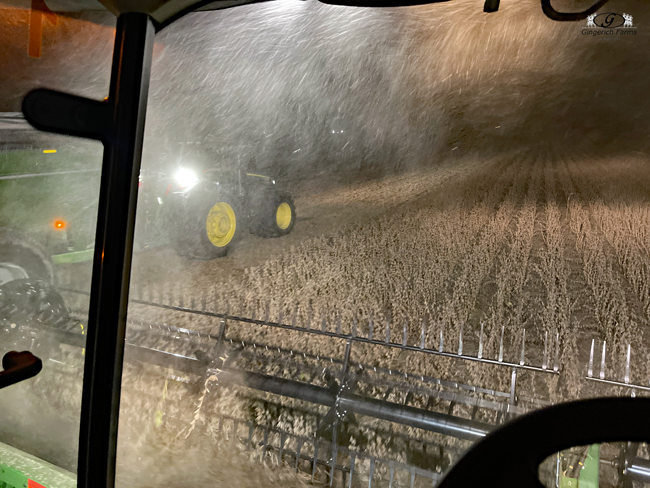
365,239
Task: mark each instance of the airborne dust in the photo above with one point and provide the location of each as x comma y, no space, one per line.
446,163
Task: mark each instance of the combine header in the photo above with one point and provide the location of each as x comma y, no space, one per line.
438,419
334,391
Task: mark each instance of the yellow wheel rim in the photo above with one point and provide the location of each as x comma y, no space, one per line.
221,224
283,216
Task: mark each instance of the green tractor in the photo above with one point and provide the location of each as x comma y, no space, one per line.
206,211
200,213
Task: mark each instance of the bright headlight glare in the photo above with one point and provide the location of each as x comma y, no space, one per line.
186,178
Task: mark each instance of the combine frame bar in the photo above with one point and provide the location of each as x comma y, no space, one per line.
352,337
639,470
421,347
343,400
347,402
351,403
608,381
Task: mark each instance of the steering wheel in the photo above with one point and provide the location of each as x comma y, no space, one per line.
553,14
511,455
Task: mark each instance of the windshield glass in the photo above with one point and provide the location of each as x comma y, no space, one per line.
49,187
366,238
453,212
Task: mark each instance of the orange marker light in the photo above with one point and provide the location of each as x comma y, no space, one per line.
59,224
49,151
33,484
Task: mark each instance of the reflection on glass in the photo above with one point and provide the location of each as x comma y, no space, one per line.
49,202
579,467
370,256
49,187
353,258
597,465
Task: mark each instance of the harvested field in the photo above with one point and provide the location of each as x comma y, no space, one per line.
533,242
472,239
552,245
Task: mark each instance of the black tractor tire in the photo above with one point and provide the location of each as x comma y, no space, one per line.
178,229
21,251
213,226
276,216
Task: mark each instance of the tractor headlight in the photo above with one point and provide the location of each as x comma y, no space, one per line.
186,178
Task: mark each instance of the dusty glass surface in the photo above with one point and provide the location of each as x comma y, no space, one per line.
49,186
367,237
471,207
604,465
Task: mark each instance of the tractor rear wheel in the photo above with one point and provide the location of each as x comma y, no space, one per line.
178,229
215,226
